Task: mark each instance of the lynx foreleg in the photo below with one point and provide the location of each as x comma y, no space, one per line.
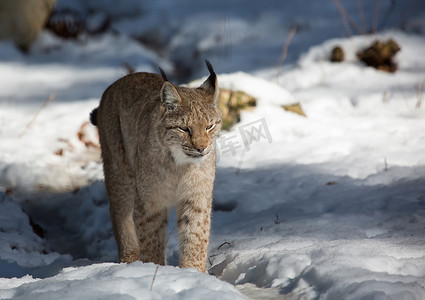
194,218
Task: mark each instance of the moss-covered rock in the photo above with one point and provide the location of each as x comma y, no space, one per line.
380,55
231,103
337,54
21,20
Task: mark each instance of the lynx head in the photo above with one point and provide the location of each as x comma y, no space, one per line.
190,119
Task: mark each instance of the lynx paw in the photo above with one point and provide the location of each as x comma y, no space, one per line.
129,257
200,266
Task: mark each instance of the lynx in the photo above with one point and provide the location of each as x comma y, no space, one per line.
158,151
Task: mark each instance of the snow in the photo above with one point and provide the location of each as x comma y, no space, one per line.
19,244
327,206
118,281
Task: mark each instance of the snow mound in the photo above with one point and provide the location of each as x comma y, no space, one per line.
120,281
19,245
270,93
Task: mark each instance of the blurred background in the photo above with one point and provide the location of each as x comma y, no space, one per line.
238,35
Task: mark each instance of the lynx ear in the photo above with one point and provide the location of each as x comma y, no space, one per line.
210,85
170,98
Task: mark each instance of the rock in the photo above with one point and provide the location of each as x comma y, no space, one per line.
22,20
231,103
70,24
337,54
380,55
66,23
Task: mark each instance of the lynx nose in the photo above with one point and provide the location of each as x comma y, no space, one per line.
200,148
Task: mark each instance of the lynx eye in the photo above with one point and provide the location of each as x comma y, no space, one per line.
209,127
184,129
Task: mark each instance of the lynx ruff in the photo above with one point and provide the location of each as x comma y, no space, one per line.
158,151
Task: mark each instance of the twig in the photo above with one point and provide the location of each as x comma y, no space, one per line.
343,14
276,221
346,19
388,14
128,68
419,94
74,186
47,102
362,15
225,243
285,50
376,16
154,276
385,97
238,170
211,256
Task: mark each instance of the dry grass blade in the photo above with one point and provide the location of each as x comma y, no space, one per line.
285,50
154,276
224,243
419,94
238,170
295,108
346,19
343,14
362,15
31,123
376,16
84,137
276,220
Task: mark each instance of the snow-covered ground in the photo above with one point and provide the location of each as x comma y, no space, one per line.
327,206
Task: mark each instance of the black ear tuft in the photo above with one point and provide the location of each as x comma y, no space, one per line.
210,67
164,76
210,85
93,116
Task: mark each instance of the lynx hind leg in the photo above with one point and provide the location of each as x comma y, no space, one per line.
122,194
151,227
194,218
